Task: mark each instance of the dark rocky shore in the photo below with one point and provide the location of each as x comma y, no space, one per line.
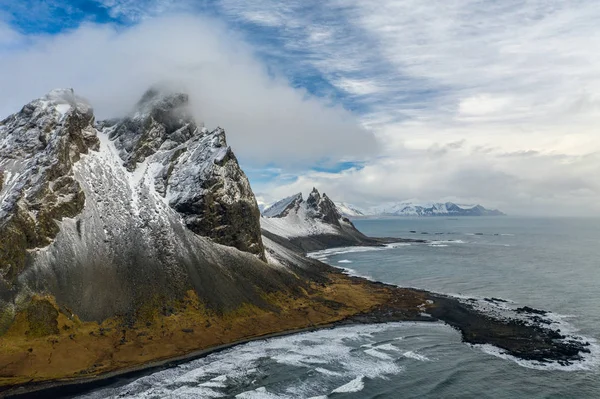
533,341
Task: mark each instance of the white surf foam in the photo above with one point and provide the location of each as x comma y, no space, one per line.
354,273
258,393
326,253
377,354
440,242
591,361
356,385
344,261
415,356
389,347
328,372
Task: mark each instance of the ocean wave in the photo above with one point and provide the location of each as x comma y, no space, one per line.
415,356
448,242
356,385
326,253
258,393
353,273
334,359
590,361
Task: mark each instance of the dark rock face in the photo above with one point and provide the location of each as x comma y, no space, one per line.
158,118
41,144
323,207
135,222
212,212
200,173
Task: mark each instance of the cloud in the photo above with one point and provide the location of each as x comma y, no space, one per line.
517,183
470,100
8,37
265,118
514,83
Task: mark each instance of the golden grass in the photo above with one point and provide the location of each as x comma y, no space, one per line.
81,349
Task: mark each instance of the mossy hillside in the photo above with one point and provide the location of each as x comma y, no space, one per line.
47,342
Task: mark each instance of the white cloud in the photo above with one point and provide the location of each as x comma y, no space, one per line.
482,104
477,101
9,37
266,120
499,77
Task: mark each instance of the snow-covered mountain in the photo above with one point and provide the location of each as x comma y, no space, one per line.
108,216
417,209
312,224
348,209
294,217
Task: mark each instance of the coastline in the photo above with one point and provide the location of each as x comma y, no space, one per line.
528,342
74,386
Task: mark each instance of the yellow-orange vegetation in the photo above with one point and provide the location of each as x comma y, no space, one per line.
63,347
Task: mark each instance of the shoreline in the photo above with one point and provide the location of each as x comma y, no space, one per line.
71,387
535,342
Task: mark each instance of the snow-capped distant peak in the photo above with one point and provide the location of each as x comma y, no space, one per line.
295,217
410,208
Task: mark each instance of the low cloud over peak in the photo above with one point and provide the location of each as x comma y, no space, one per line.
266,119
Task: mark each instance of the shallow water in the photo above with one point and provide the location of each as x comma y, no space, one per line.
552,264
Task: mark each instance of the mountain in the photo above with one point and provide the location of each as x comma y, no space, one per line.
312,225
412,209
136,238
348,210
137,205
132,242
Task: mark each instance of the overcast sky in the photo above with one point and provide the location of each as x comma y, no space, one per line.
472,101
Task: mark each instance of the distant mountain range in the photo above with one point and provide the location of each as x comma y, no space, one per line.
414,209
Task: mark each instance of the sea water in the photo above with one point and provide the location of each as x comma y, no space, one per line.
551,264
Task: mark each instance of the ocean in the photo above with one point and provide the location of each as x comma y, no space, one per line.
551,264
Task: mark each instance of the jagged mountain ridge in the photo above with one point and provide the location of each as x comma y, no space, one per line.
108,216
311,225
100,273
417,209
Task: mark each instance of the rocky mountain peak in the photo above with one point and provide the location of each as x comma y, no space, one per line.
283,207
107,216
159,101
323,207
159,118
38,148
194,169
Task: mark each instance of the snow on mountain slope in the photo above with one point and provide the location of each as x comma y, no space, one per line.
348,210
312,224
196,171
280,208
294,217
297,224
108,217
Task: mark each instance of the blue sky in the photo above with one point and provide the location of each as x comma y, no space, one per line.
469,100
